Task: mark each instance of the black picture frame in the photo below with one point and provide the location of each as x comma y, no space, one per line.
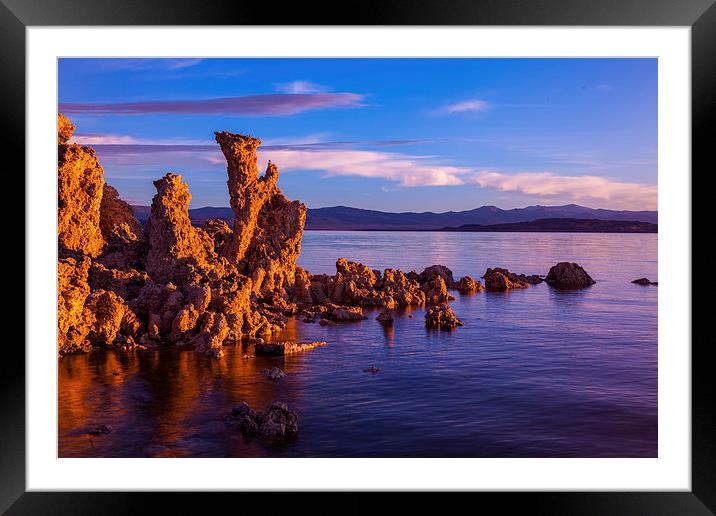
700,15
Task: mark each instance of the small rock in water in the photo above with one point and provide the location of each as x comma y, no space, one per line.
371,369
246,357
347,313
277,422
327,322
100,429
644,281
568,275
441,317
286,348
275,373
502,279
468,285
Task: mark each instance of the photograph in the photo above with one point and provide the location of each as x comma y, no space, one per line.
379,257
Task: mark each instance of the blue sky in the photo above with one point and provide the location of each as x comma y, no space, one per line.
385,134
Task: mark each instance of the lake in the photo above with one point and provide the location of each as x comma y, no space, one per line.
533,373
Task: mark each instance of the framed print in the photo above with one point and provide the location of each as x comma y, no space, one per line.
427,248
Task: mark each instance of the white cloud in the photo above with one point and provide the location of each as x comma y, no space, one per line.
300,87
474,105
548,186
103,139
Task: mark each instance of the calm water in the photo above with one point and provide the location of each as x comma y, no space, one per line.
533,373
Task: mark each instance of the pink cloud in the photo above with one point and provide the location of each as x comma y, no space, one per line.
545,185
403,169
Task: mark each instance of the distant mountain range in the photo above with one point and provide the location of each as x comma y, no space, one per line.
563,226
345,218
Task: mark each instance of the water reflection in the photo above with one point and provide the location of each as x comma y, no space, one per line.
534,372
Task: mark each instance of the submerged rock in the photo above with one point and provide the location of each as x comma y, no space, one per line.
441,317
286,348
386,316
274,373
347,313
100,429
277,422
644,281
568,275
371,369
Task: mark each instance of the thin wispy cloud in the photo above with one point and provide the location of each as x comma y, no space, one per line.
257,105
146,64
465,106
102,139
549,186
301,87
123,142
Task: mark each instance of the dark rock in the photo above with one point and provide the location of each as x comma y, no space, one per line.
371,369
100,429
274,373
644,281
568,275
275,423
385,316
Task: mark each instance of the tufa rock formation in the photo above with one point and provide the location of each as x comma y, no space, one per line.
172,283
80,182
266,238
438,271
566,275
116,219
74,320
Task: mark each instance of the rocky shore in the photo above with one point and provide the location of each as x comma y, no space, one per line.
128,286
